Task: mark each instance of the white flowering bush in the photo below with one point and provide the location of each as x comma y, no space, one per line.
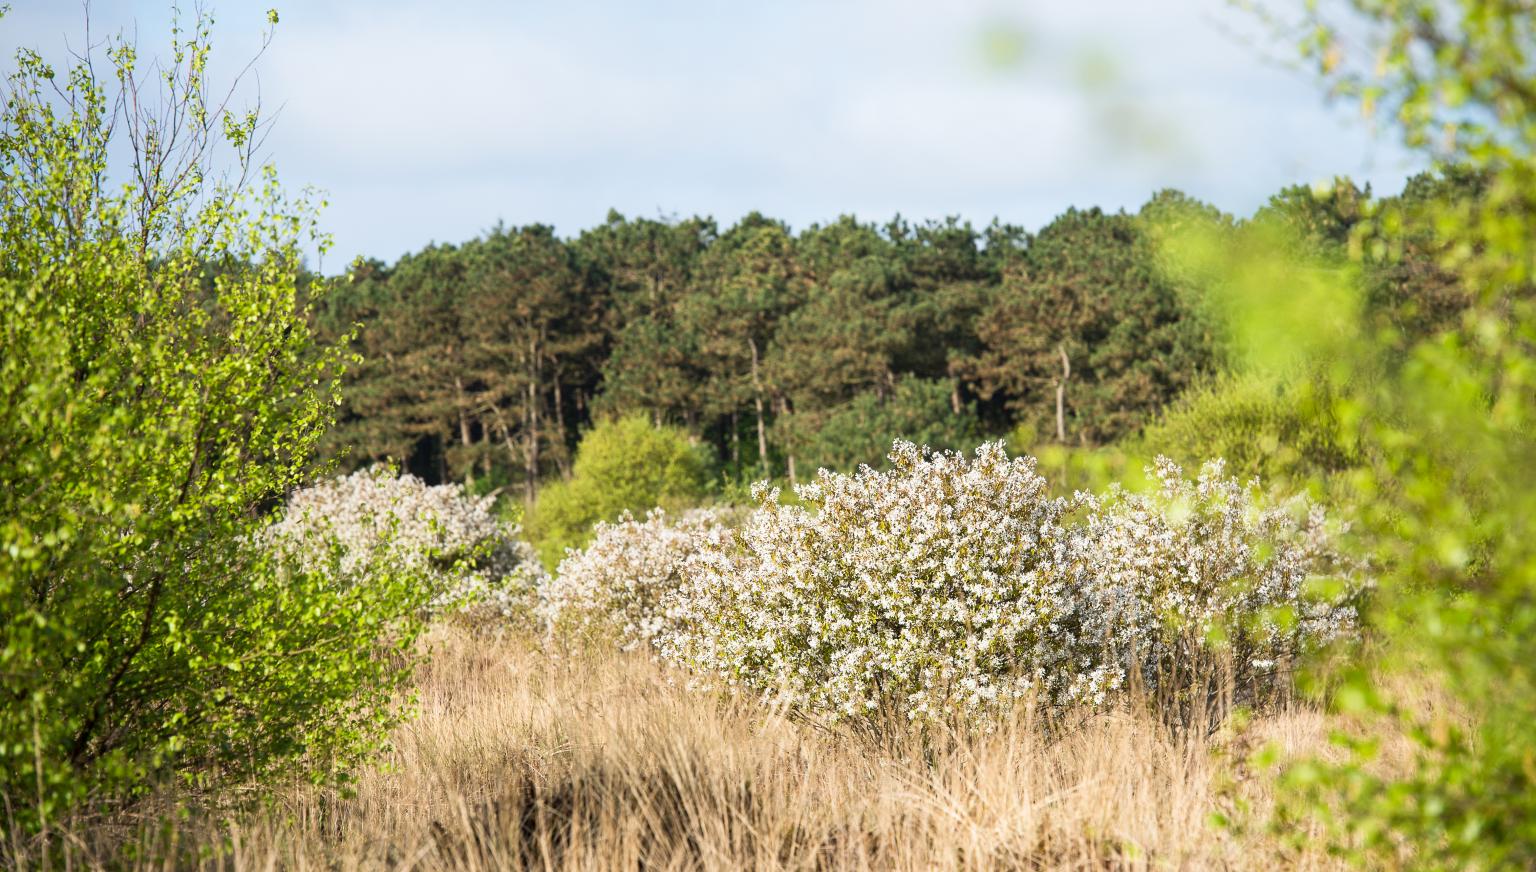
620,584
1199,570
953,586
350,525
932,588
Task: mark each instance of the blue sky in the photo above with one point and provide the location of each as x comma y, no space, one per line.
431,122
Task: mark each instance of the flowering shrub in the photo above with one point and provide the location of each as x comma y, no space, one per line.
953,586
619,584
1164,581
936,586
348,525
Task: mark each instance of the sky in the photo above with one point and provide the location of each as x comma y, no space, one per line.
432,122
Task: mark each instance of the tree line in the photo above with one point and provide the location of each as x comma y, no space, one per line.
787,351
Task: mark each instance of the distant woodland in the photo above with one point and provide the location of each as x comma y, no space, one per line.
786,351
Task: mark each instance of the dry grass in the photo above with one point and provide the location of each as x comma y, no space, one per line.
526,760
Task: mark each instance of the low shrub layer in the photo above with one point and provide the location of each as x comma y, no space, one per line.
950,587
618,587
351,527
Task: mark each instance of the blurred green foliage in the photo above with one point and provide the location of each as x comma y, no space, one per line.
1447,486
1069,469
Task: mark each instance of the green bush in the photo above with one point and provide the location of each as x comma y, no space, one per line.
621,465
1073,468
1262,426
152,417
1088,468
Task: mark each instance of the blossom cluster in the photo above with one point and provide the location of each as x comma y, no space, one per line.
619,585
935,584
354,525
950,585
1157,575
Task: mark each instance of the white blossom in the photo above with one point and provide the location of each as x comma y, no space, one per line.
454,541
953,586
932,587
617,585
1157,575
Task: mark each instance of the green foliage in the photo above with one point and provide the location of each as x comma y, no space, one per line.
1318,220
1092,469
645,269
1450,486
1409,295
1275,304
475,356
1276,429
484,360
841,341
623,464
860,431
154,411
1086,336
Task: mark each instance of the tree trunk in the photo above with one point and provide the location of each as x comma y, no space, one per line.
757,401
531,445
735,444
789,454
531,418
954,398
469,468
560,456
1061,395
506,434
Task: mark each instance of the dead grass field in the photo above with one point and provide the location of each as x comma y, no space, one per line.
525,760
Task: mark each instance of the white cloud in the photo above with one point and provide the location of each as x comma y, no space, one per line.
432,121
